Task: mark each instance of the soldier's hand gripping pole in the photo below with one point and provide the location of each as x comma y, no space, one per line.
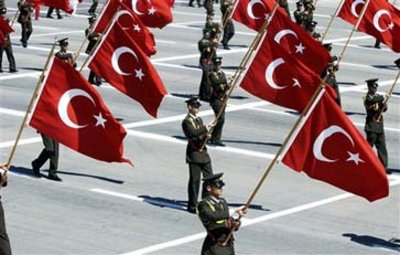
390,91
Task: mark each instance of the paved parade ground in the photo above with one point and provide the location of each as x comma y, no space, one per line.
102,208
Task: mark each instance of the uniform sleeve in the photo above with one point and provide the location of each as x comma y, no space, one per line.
209,217
191,131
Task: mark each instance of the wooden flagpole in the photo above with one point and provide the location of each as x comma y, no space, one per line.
332,18
29,108
235,78
297,124
388,95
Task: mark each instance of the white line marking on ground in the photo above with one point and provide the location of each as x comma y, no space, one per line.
395,180
21,142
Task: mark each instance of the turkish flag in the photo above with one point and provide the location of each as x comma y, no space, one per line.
70,110
5,26
278,77
64,5
329,148
121,62
130,22
381,20
153,13
253,13
298,42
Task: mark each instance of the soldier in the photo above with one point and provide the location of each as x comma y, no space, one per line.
212,26
93,7
24,18
213,212
198,3
298,13
207,67
5,248
375,105
229,29
50,11
330,71
6,46
308,12
93,37
284,4
310,28
220,87
63,54
196,153
208,5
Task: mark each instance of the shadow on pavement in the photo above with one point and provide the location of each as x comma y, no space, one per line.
375,242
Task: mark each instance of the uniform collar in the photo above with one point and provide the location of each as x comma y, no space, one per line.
192,116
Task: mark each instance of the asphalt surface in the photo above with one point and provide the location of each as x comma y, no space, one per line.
102,208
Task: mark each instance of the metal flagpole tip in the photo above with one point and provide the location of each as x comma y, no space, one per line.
397,62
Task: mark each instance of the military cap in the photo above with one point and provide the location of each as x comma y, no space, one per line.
214,180
3,10
397,62
298,3
217,60
63,42
372,82
194,101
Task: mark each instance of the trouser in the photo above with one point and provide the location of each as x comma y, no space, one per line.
191,2
216,105
5,248
94,79
50,11
93,7
377,43
26,31
229,32
10,56
195,171
50,151
379,140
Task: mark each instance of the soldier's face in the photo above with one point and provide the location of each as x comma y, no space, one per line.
215,192
193,109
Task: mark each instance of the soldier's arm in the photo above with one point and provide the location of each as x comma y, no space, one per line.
208,216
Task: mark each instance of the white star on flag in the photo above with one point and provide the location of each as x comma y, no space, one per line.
355,157
139,74
152,11
100,120
136,27
296,82
300,48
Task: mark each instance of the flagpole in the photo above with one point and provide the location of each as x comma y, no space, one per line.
85,39
331,21
29,108
355,27
389,94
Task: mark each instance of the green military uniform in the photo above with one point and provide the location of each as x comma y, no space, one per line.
212,26
205,88
63,54
93,7
373,127
208,5
7,47
214,214
24,18
50,151
298,14
229,29
196,157
92,37
220,87
284,4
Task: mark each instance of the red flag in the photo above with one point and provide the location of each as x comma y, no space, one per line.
153,13
71,111
130,22
298,42
329,148
4,26
64,5
381,20
120,61
253,13
276,76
